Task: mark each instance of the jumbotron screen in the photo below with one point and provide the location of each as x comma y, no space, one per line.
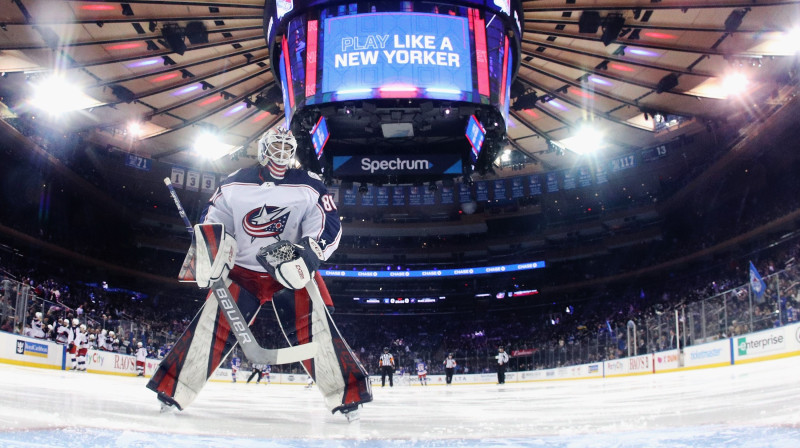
337,53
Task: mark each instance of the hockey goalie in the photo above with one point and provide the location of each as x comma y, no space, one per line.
260,241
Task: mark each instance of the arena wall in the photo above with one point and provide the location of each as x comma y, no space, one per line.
760,346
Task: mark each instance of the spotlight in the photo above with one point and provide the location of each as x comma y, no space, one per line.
209,146
735,83
134,129
56,95
586,140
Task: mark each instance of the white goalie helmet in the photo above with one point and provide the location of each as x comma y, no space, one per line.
75,321
278,146
38,315
83,327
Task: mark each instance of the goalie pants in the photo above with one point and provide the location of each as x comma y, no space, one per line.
207,341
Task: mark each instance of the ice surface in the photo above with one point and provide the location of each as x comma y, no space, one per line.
750,405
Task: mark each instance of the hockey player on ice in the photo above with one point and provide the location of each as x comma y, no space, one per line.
422,373
236,363
141,356
265,371
73,341
251,211
82,347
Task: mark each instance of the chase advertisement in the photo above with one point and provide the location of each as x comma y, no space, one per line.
410,55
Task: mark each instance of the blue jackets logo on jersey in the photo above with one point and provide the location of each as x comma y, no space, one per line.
265,222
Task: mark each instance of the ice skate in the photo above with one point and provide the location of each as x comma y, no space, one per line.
167,404
351,412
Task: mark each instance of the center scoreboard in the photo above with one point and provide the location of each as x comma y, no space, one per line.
442,54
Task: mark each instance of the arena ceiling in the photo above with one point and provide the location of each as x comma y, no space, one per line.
669,58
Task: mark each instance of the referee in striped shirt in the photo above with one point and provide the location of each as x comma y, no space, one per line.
386,363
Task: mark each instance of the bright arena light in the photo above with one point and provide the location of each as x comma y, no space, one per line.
587,140
56,95
209,146
735,83
134,129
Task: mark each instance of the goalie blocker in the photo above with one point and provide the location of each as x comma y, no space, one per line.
302,314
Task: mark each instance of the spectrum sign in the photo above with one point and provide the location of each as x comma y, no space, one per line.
388,55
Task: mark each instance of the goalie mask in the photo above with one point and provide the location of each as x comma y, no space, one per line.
276,150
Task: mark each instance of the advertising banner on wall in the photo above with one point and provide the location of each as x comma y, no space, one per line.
759,345
717,352
29,351
667,360
629,366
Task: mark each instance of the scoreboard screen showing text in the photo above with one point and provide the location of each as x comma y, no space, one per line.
397,54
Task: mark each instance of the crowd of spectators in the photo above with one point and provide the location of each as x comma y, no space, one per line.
593,329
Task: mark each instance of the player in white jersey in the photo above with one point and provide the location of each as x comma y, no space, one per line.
253,209
141,357
422,373
37,327
101,339
81,342
73,344
62,332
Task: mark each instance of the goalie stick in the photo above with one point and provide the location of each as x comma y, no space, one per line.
239,326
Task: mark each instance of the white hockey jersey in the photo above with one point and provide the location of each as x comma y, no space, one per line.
141,354
259,210
62,334
80,338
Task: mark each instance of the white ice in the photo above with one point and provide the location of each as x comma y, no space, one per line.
750,405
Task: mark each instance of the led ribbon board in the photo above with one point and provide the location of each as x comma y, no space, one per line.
436,272
397,55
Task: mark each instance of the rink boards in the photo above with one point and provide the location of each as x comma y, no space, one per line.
760,346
